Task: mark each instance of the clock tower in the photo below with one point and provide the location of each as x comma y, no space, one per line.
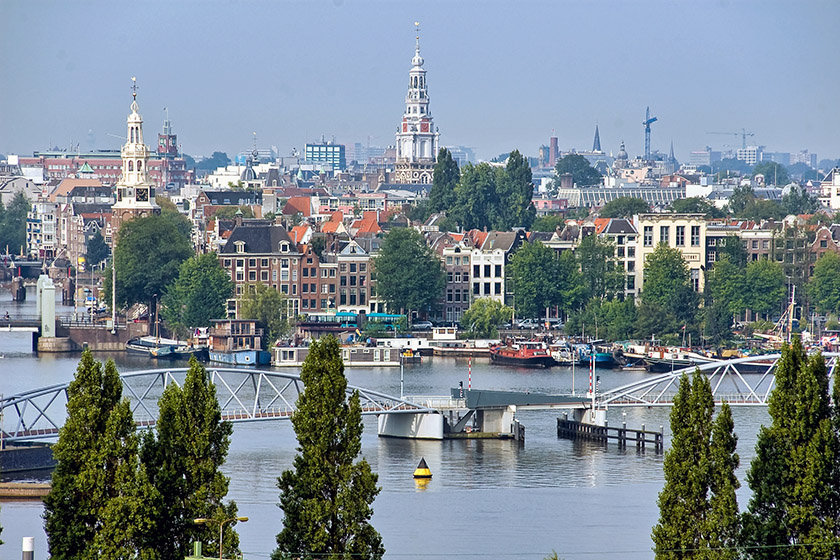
417,137
135,191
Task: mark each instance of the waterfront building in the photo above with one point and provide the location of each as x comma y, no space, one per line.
685,232
623,235
830,189
417,137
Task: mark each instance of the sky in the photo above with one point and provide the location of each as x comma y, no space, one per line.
501,74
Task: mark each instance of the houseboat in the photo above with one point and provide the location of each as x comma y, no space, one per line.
237,342
523,354
353,356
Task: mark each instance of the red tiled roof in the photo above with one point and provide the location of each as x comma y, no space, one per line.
297,205
601,224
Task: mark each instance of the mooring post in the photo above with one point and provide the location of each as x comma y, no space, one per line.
643,436
28,548
606,432
661,438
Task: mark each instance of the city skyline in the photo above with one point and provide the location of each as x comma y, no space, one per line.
499,77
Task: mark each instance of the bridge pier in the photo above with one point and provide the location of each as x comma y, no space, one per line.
412,425
18,289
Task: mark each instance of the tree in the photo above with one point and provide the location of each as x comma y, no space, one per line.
624,207
97,249
697,506
13,224
798,201
725,283
793,511
98,500
477,197
611,320
409,275
583,174
199,294
442,196
269,308
147,259
218,159
515,191
740,197
602,278
667,290
183,457
733,247
824,285
169,211
484,317
229,212
696,205
765,287
774,173
326,498
759,209
534,272
548,223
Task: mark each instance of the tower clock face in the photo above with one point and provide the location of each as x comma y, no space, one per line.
142,195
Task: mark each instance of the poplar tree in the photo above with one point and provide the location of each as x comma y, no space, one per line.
97,505
326,498
793,512
698,510
184,457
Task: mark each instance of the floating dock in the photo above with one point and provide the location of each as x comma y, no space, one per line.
572,429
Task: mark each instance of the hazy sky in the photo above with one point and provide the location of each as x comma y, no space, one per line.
501,75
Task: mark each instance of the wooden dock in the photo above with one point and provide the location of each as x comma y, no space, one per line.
23,490
569,429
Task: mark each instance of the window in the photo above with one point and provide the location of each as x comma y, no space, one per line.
324,273
695,279
755,244
487,288
323,288
664,234
680,236
458,277
487,271
343,267
631,266
294,276
284,275
498,271
457,296
448,260
306,273
498,289
284,263
264,262
620,240
620,251
477,289
823,243
353,280
695,236
240,275
352,267
477,271
765,244
227,263
449,296
631,252
343,281
631,282
264,275
648,236
306,288
465,260
449,277
252,263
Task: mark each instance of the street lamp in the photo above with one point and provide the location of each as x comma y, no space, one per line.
205,520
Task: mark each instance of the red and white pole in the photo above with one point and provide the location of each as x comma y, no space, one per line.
469,373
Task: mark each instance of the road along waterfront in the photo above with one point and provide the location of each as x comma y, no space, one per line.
487,498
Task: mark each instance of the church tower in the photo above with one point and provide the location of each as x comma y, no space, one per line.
417,137
135,191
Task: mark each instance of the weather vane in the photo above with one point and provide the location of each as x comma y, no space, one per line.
134,87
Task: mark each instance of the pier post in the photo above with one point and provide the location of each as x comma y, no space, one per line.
622,439
643,436
606,432
28,548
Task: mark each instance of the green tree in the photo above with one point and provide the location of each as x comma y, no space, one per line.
442,196
229,212
733,247
740,197
477,197
537,279
514,191
409,275
697,506
169,211
765,286
725,282
624,207
183,457
147,259
824,285
601,276
798,201
97,249
484,317
548,223
611,320
793,510
218,159
759,209
774,173
696,205
326,498
98,501
667,290
13,224
269,308
198,295
583,174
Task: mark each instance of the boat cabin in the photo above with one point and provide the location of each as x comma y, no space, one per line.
230,335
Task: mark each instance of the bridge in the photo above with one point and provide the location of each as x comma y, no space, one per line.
244,396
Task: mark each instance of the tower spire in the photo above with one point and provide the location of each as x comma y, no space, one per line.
134,87
596,145
417,36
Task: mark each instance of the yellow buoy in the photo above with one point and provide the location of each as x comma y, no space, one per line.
422,470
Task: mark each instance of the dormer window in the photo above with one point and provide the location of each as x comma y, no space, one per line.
284,246
240,246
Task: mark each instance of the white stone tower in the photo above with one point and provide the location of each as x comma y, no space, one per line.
417,137
135,192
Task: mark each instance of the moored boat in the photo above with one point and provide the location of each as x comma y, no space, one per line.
153,346
523,354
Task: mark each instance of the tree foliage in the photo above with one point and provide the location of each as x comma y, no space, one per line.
229,212
198,295
798,201
548,223
793,512
696,205
442,196
409,275
725,282
582,172
484,317
765,287
667,294
326,498
539,279
218,159
697,506
97,249
183,457
269,308
624,207
148,258
774,173
13,224
601,274
98,504
824,285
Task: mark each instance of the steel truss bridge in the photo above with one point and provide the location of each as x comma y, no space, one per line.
739,382
244,396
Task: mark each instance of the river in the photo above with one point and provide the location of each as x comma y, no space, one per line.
487,499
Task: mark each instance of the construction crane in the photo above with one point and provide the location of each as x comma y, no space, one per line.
647,122
743,134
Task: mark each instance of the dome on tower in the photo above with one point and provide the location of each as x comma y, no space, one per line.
135,117
622,153
417,60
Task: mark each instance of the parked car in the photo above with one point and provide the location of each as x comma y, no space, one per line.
422,326
529,324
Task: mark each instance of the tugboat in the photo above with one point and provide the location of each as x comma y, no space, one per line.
522,354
